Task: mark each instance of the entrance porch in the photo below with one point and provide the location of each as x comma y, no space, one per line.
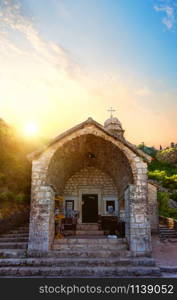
90,164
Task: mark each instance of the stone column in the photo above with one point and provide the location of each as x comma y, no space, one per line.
139,226
41,229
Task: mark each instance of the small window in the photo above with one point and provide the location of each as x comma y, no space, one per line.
69,205
110,206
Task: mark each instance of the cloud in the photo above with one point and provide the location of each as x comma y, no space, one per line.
169,8
30,64
15,23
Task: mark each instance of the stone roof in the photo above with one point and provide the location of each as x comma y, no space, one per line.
90,121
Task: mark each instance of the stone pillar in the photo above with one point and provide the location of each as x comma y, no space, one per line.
139,226
41,229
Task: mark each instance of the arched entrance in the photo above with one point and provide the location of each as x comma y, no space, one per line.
85,149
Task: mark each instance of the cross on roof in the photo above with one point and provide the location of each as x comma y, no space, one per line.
111,110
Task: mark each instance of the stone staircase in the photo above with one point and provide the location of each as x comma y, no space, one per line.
166,233
76,256
14,243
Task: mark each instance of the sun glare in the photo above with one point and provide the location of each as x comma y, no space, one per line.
31,129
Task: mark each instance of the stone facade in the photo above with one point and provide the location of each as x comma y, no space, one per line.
91,180
90,176
117,166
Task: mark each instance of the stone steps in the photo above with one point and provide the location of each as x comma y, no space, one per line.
89,254
80,271
167,233
11,235
89,232
14,245
89,240
85,247
86,253
87,226
13,239
67,261
169,269
12,253
19,232
86,244
168,236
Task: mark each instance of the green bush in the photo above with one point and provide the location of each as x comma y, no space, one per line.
169,150
165,173
164,209
163,199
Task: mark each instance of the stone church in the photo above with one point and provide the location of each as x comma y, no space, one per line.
97,173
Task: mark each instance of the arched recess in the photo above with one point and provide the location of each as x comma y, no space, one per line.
89,151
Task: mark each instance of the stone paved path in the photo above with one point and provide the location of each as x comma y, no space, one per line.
165,254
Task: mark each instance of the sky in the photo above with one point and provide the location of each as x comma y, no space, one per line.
62,61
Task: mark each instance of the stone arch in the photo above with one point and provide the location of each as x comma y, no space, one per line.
41,164
84,151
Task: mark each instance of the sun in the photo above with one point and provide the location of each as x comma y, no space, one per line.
31,129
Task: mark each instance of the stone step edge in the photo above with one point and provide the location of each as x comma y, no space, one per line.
14,235
85,240
87,254
43,254
168,269
90,249
15,240
89,230
12,262
128,269
82,258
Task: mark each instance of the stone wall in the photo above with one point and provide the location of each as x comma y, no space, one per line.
153,207
90,176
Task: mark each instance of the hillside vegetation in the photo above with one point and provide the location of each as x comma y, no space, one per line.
163,170
168,155
15,171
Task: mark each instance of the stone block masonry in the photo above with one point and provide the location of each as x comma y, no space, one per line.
41,230
90,176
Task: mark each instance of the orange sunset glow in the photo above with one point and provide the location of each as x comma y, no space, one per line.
57,81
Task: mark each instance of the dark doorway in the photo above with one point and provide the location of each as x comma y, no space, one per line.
89,208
